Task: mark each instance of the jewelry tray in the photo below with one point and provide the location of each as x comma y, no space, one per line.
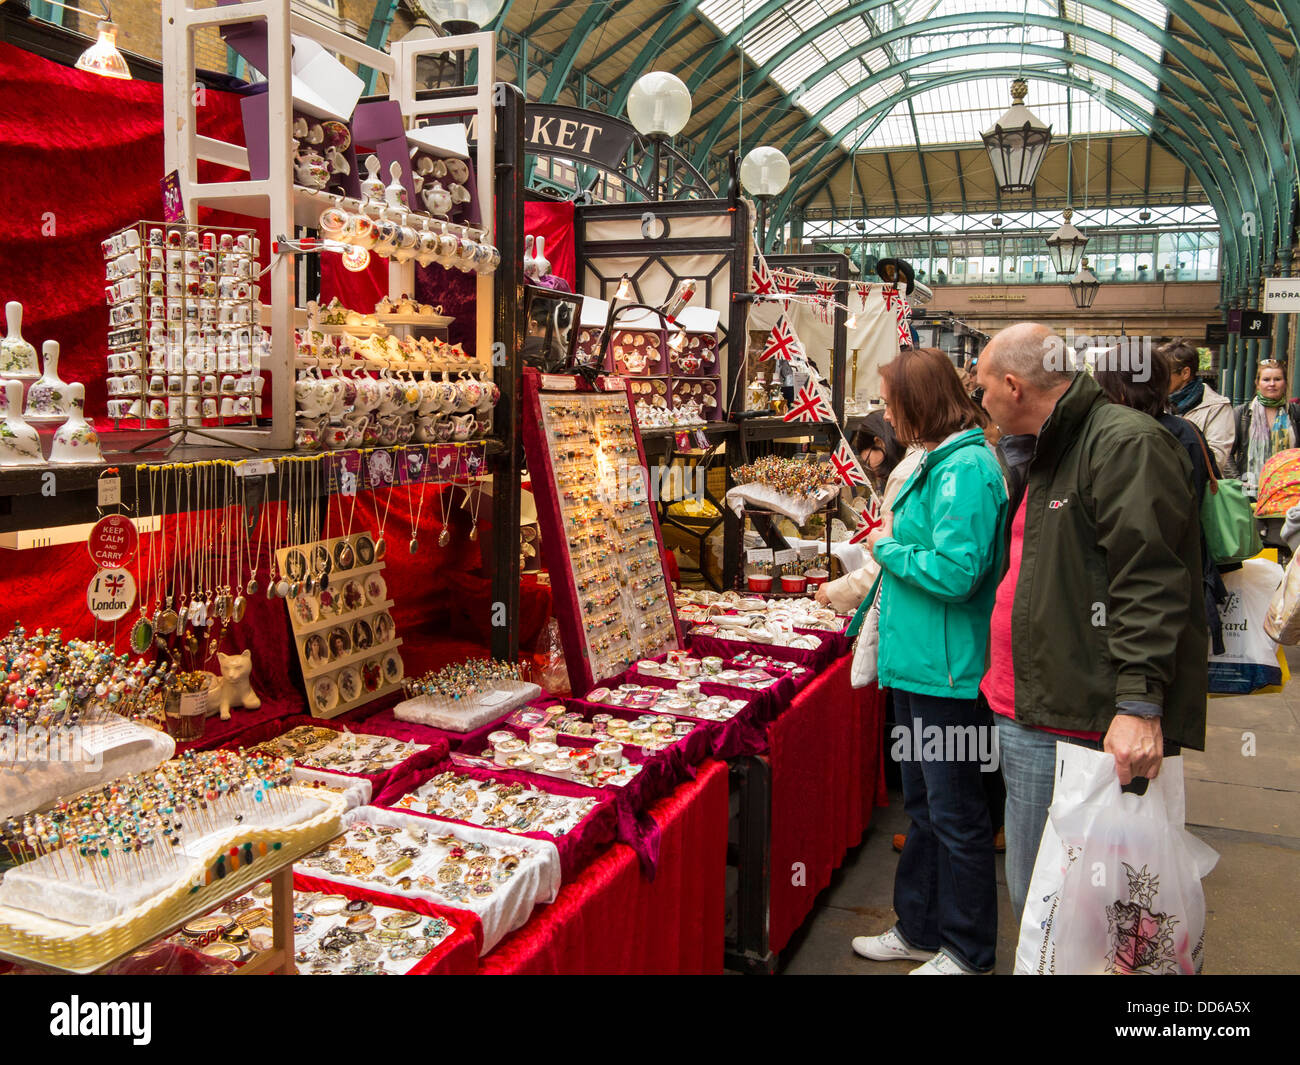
467,714
84,948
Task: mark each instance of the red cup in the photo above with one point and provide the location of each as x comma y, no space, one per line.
816,577
760,582
794,582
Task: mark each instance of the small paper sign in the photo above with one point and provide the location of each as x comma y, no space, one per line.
613,384
110,491
255,468
555,383
111,594
784,557
113,542
173,203
760,554
99,737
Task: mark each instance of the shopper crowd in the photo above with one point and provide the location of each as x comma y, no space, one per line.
1063,584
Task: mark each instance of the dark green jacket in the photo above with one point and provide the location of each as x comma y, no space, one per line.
1108,603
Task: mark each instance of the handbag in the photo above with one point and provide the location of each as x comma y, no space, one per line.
866,652
1227,518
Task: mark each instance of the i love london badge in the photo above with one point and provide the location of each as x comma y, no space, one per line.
111,594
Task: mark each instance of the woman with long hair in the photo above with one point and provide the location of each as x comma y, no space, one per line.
1266,424
940,554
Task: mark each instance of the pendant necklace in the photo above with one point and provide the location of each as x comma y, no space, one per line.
282,585
272,585
472,484
381,544
141,637
444,537
167,619
314,536
240,604
254,557
415,524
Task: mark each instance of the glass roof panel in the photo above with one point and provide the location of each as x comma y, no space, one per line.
821,70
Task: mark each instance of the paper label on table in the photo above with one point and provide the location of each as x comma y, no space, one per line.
555,383
783,557
110,594
255,468
98,737
110,491
613,384
493,697
760,554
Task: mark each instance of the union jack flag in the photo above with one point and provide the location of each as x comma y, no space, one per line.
825,290
115,583
870,522
847,466
810,406
762,279
904,334
781,343
891,296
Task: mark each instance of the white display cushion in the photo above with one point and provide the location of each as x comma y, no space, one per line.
104,749
44,887
797,508
466,715
356,791
507,908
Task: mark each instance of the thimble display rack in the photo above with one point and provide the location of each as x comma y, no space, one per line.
183,327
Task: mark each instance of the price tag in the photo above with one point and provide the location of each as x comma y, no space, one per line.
493,697
613,384
110,594
110,491
255,468
784,557
98,738
113,541
760,554
556,383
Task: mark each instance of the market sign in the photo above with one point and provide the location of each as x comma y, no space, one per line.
571,133
1281,295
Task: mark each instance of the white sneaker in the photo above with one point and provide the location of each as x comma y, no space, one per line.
888,946
941,965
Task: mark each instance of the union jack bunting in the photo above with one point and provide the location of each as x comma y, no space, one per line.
847,466
762,279
904,334
870,522
810,406
781,343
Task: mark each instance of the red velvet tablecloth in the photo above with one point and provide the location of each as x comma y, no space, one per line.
611,919
827,775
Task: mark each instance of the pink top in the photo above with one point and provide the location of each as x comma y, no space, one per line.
999,684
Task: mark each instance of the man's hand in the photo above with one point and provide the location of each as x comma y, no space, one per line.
1138,746
820,597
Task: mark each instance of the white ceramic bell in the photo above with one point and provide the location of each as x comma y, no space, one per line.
76,439
17,357
530,261
373,186
47,399
395,194
20,445
542,264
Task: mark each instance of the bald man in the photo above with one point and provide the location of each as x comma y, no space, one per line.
1098,634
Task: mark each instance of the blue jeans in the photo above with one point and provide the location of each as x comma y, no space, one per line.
1029,769
945,892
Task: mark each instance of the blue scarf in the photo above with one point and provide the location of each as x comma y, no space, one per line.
1190,395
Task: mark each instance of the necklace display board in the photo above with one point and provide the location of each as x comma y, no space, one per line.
600,533
347,642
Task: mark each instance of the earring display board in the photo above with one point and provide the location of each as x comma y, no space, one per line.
600,532
347,642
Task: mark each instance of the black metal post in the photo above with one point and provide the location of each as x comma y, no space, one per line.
508,328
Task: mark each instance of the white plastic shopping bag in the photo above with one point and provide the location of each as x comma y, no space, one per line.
1249,660
1117,885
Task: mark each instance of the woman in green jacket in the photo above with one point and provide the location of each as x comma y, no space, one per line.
940,560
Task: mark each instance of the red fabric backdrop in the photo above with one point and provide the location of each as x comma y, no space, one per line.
84,156
554,222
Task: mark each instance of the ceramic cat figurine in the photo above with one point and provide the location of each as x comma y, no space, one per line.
236,688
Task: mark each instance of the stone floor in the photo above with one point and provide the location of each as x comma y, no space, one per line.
1243,798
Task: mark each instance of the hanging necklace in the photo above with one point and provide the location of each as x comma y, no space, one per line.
254,557
168,619
444,537
141,637
473,484
182,553
419,514
381,544
240,604
272,585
